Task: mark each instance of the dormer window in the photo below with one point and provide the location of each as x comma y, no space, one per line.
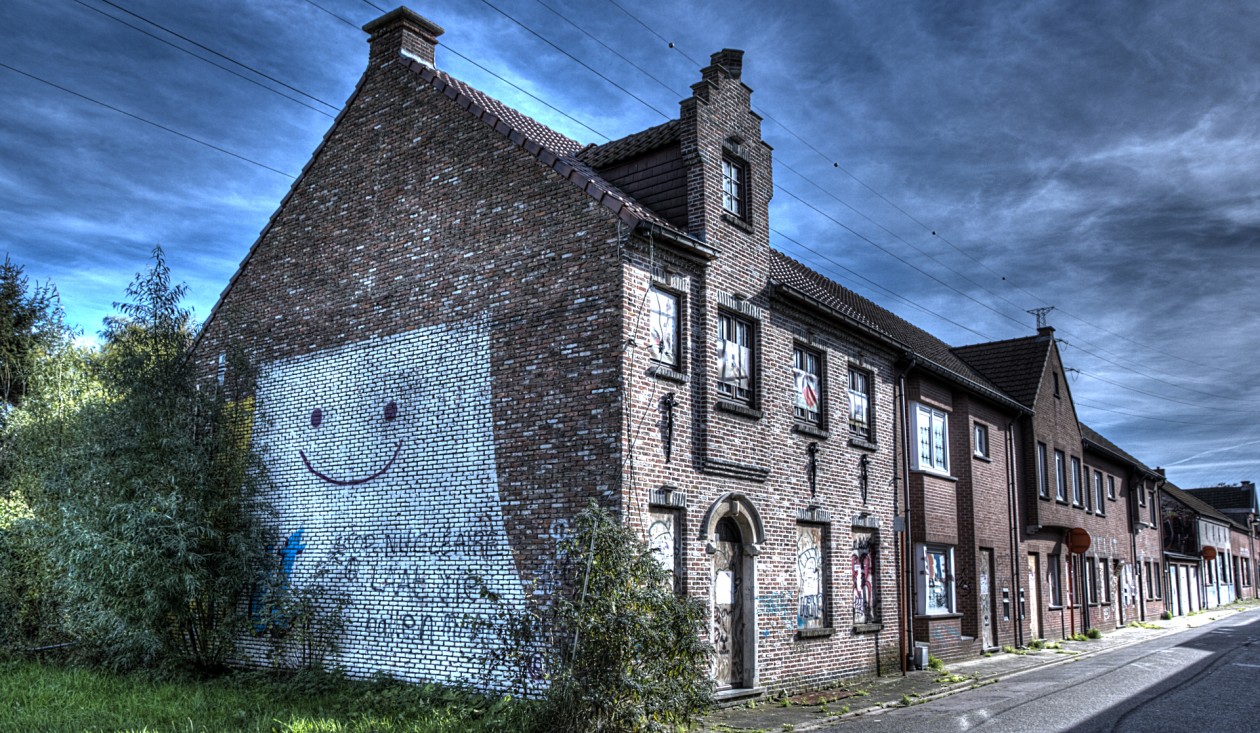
734,187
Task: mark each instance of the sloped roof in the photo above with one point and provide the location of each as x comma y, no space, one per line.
1195,503
787,271
1015,365
1089,435
602,156
1227,497
548,146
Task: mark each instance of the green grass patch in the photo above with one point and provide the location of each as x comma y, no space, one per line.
52,699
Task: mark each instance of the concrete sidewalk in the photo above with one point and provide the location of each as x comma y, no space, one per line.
817,709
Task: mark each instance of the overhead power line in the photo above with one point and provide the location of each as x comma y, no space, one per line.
146,121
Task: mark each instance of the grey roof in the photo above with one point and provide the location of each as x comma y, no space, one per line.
1228,497
1015,365
1194,502
645,141
1089,435
787,271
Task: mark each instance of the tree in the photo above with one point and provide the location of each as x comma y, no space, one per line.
27,315
146,487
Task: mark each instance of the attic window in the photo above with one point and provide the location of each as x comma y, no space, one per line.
734,187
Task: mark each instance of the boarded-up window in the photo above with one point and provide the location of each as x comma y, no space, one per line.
664,327
865,577
734,356
809,576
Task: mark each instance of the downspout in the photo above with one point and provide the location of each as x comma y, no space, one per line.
1013,498
1133,556
906,547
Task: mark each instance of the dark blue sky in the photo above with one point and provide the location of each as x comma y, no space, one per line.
993,157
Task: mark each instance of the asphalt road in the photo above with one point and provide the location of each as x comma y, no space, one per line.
1203,679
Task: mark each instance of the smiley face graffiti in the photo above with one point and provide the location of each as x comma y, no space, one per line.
389,414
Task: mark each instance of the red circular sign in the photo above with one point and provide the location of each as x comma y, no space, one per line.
1209,553
1077,540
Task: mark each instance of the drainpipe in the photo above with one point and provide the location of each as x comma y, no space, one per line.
1013,513
906,548
1133,556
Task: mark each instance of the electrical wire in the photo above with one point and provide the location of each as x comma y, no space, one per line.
237,74
223,56
146,121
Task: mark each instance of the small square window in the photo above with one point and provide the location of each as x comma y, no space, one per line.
664,327
860,403
734,356
807,378
982,440
734,188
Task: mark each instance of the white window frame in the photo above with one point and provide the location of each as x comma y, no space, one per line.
1078,491
860,404
927,554
980,439
807,375
1043,477
1060,476
931,429
1100,498
1111,487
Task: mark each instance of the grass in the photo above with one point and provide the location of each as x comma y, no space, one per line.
53,699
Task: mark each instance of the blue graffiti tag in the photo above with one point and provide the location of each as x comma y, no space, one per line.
271,618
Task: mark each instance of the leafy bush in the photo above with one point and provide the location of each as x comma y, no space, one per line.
142,486
1094,633
617,649
1166,615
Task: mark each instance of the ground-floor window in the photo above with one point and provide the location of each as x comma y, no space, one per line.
1158,572
865,562
810,571
936,579
1054,579
663,541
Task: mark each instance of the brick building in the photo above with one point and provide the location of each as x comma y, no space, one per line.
468,326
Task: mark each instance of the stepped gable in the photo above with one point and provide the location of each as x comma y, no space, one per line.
548,146
1014,365
787,271
1093,437
630,146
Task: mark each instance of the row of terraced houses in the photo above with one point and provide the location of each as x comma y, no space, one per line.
469,326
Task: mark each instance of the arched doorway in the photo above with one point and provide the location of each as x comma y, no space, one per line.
733,534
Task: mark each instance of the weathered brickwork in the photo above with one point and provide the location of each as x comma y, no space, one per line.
466,331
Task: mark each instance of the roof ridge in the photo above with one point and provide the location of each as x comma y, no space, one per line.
1032,337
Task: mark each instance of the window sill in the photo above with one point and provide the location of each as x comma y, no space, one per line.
737,222
661,371
937,616
980,457
934,474
862,443
739,408
867,628
811,430
819,633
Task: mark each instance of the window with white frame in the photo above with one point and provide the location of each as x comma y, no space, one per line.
663,325
1060,476
735,357
981,440
1078,493
1099,505
1054,578
936,579
734,187
1111,487
1151,508
807,379
860,403
1043,479
932,429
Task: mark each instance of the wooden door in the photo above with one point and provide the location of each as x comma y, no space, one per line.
728,611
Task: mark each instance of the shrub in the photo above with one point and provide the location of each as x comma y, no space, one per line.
1094,633
617,648
1166,615
936,663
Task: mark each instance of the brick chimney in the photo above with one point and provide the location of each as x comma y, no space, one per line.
402,32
